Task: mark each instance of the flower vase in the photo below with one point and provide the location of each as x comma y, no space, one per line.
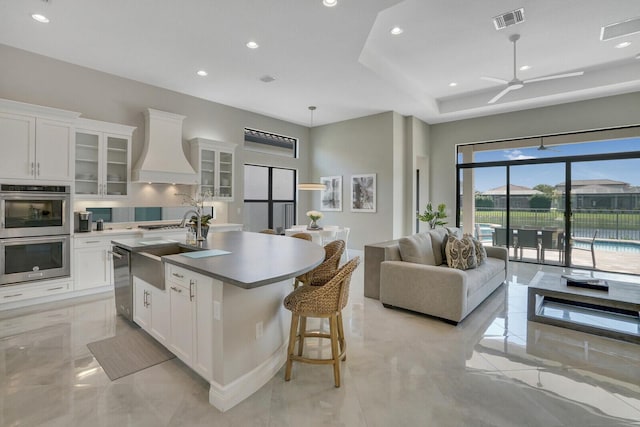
313,225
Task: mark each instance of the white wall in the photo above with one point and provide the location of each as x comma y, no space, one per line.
358,146
36,79
598,113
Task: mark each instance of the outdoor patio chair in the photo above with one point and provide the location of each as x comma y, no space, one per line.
591,248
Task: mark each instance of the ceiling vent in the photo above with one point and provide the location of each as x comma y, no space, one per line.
508,19
620,29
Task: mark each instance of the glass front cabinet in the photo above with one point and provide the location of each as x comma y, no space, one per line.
213,160
103,160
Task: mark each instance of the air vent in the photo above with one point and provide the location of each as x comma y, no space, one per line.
508,19
620,29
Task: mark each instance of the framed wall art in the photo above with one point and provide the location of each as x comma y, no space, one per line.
363,193
331,196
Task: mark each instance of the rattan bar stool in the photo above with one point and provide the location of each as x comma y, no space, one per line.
268,231
325,271
303,236
325,301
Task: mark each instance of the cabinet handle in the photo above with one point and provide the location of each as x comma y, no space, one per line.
145,301
56,288
179,276
12,296
191,295
173,288
33,168
38,168
92,241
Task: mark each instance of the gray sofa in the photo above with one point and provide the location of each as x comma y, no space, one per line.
427,285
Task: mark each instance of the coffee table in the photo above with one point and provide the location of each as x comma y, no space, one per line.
614,313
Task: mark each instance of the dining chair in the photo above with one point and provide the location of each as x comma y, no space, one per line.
267,231
320,302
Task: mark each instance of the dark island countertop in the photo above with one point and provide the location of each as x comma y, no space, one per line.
254,260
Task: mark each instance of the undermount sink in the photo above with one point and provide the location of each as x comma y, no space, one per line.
147,265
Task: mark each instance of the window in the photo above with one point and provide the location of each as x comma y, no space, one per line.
270,143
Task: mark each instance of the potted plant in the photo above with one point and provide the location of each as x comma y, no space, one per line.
434,217
204,224
314,216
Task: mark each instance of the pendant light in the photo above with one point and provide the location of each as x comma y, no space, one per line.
311,186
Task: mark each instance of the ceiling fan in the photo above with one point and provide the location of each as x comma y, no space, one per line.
516,83
542,147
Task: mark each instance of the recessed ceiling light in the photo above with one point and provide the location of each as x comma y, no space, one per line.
40,18
525,67
202,73
252,45
622,45
329,3
453,84
396,31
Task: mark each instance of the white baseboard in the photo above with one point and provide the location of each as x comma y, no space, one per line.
228,396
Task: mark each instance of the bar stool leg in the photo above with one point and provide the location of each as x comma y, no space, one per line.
333,331
292,343
341,340
303,330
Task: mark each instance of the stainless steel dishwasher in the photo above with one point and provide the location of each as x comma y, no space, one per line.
123,283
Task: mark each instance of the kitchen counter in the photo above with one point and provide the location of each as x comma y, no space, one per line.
254,260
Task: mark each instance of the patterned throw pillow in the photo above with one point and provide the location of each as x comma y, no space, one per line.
461,253
481,252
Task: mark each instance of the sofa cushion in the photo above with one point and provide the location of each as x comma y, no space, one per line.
480,276
481,252
438,243
460,253
417,249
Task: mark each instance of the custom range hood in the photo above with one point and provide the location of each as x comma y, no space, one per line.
162,159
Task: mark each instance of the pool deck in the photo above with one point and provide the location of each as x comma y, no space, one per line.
618,262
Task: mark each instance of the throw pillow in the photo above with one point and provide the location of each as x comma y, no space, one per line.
461,253
481,252
417,249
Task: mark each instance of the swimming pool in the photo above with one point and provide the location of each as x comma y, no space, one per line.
612,246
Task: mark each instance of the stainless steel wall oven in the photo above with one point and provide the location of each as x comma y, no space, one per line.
34,232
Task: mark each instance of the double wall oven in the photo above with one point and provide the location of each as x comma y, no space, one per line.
34,232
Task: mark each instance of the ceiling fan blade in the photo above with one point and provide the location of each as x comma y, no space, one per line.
555,76
494,79
501,94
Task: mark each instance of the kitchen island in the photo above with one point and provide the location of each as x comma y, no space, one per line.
221,307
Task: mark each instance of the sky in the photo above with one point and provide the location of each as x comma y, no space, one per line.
626,170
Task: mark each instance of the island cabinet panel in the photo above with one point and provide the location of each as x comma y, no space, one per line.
151,310
191,318
181,337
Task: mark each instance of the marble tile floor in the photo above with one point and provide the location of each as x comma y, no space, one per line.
402,369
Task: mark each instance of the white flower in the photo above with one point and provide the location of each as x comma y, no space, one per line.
314,215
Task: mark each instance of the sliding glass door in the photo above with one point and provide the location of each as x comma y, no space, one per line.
605,215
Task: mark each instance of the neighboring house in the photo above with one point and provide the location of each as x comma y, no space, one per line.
601,194
519,196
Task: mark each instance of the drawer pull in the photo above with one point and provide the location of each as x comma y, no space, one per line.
56,288
12,296
173,288
92,241
179,276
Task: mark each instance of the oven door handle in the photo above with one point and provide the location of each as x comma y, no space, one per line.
115,254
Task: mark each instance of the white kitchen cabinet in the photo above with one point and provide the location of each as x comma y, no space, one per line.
92,262
191,318
37,142
102,160
151,310
214,162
